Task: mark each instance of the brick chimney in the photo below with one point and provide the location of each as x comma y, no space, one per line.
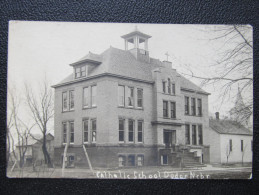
217,115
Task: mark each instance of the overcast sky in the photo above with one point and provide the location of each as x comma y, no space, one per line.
39,48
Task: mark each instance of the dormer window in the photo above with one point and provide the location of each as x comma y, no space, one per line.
80,72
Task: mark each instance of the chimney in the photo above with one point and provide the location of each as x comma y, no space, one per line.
217,115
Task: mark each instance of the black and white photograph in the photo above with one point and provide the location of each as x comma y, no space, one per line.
129,101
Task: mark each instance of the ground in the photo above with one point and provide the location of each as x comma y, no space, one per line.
208,172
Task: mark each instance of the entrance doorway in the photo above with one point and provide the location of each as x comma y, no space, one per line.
169,138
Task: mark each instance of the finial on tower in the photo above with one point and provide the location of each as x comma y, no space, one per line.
167,55
136,28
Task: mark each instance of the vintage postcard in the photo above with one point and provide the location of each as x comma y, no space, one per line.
129,101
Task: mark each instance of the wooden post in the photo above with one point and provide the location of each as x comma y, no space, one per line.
87,157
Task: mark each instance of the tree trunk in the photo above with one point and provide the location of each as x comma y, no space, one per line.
45,153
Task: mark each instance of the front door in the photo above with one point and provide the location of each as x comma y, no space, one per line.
169,138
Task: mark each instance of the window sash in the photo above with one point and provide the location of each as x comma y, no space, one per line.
122,160
140,131
242,145
71,124
230,145
200,135
131,131
169,86
140,160
165,109
64,133
199,107
93,96
121,130
194,141
140,98
173,89
186,105
64,101
164,87
78,72
173,110
187,134
86,97
131,97
71,100
93,126
193,106
85,126
121,95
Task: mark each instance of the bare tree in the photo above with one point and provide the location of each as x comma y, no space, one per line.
235,64
42,110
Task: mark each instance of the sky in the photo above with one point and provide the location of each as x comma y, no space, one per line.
45,49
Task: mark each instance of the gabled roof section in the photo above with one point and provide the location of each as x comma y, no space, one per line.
136,32
228,127
90,57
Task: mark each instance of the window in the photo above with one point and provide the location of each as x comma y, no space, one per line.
187,135
173,89
64,132
165,109
131,131
121,130
85,130
173,110
242,145
93,96
131,97
200,137
140,98
140,160
193,106
199,107
71,100
230,145
80,72
86,97
93,130
64,100
71,124
140,131
122,160
194,142
252,145
131,160
169,86
163,86
121,93
186,105
164,159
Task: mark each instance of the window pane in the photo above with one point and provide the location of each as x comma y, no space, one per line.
193,106
242,146
71,132
194,142
64,99
200,135
93,95
199,107
187,134
140,160
131,130
71,99
186,105
140,131
131,160
169,86
86,97
64,133
165,108
163,86
93,130
122,160
85,126
121,95
77,73
83,73
173,88
121,130
130,96
173,111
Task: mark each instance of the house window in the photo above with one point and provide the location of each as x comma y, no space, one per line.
194,142
200,137
64,100
230,145
169,86
242,145
173,89
193,106
71,100
122,160
199,107
86,97
173,110
80,72
164,159
131,160
140,160
186,105
93,130
131,131
187,135
252,145
140,97
164,87
140,131
64,132
165,109
71,124
93,96
85,126
121,130
131,97
121,95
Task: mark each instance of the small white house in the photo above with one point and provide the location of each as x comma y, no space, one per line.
230,142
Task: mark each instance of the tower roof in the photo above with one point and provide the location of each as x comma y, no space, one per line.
135,33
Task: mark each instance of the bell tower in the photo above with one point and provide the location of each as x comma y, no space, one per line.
139,44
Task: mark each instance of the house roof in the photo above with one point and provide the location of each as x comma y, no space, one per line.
123,63
33,139
228,127
90,57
